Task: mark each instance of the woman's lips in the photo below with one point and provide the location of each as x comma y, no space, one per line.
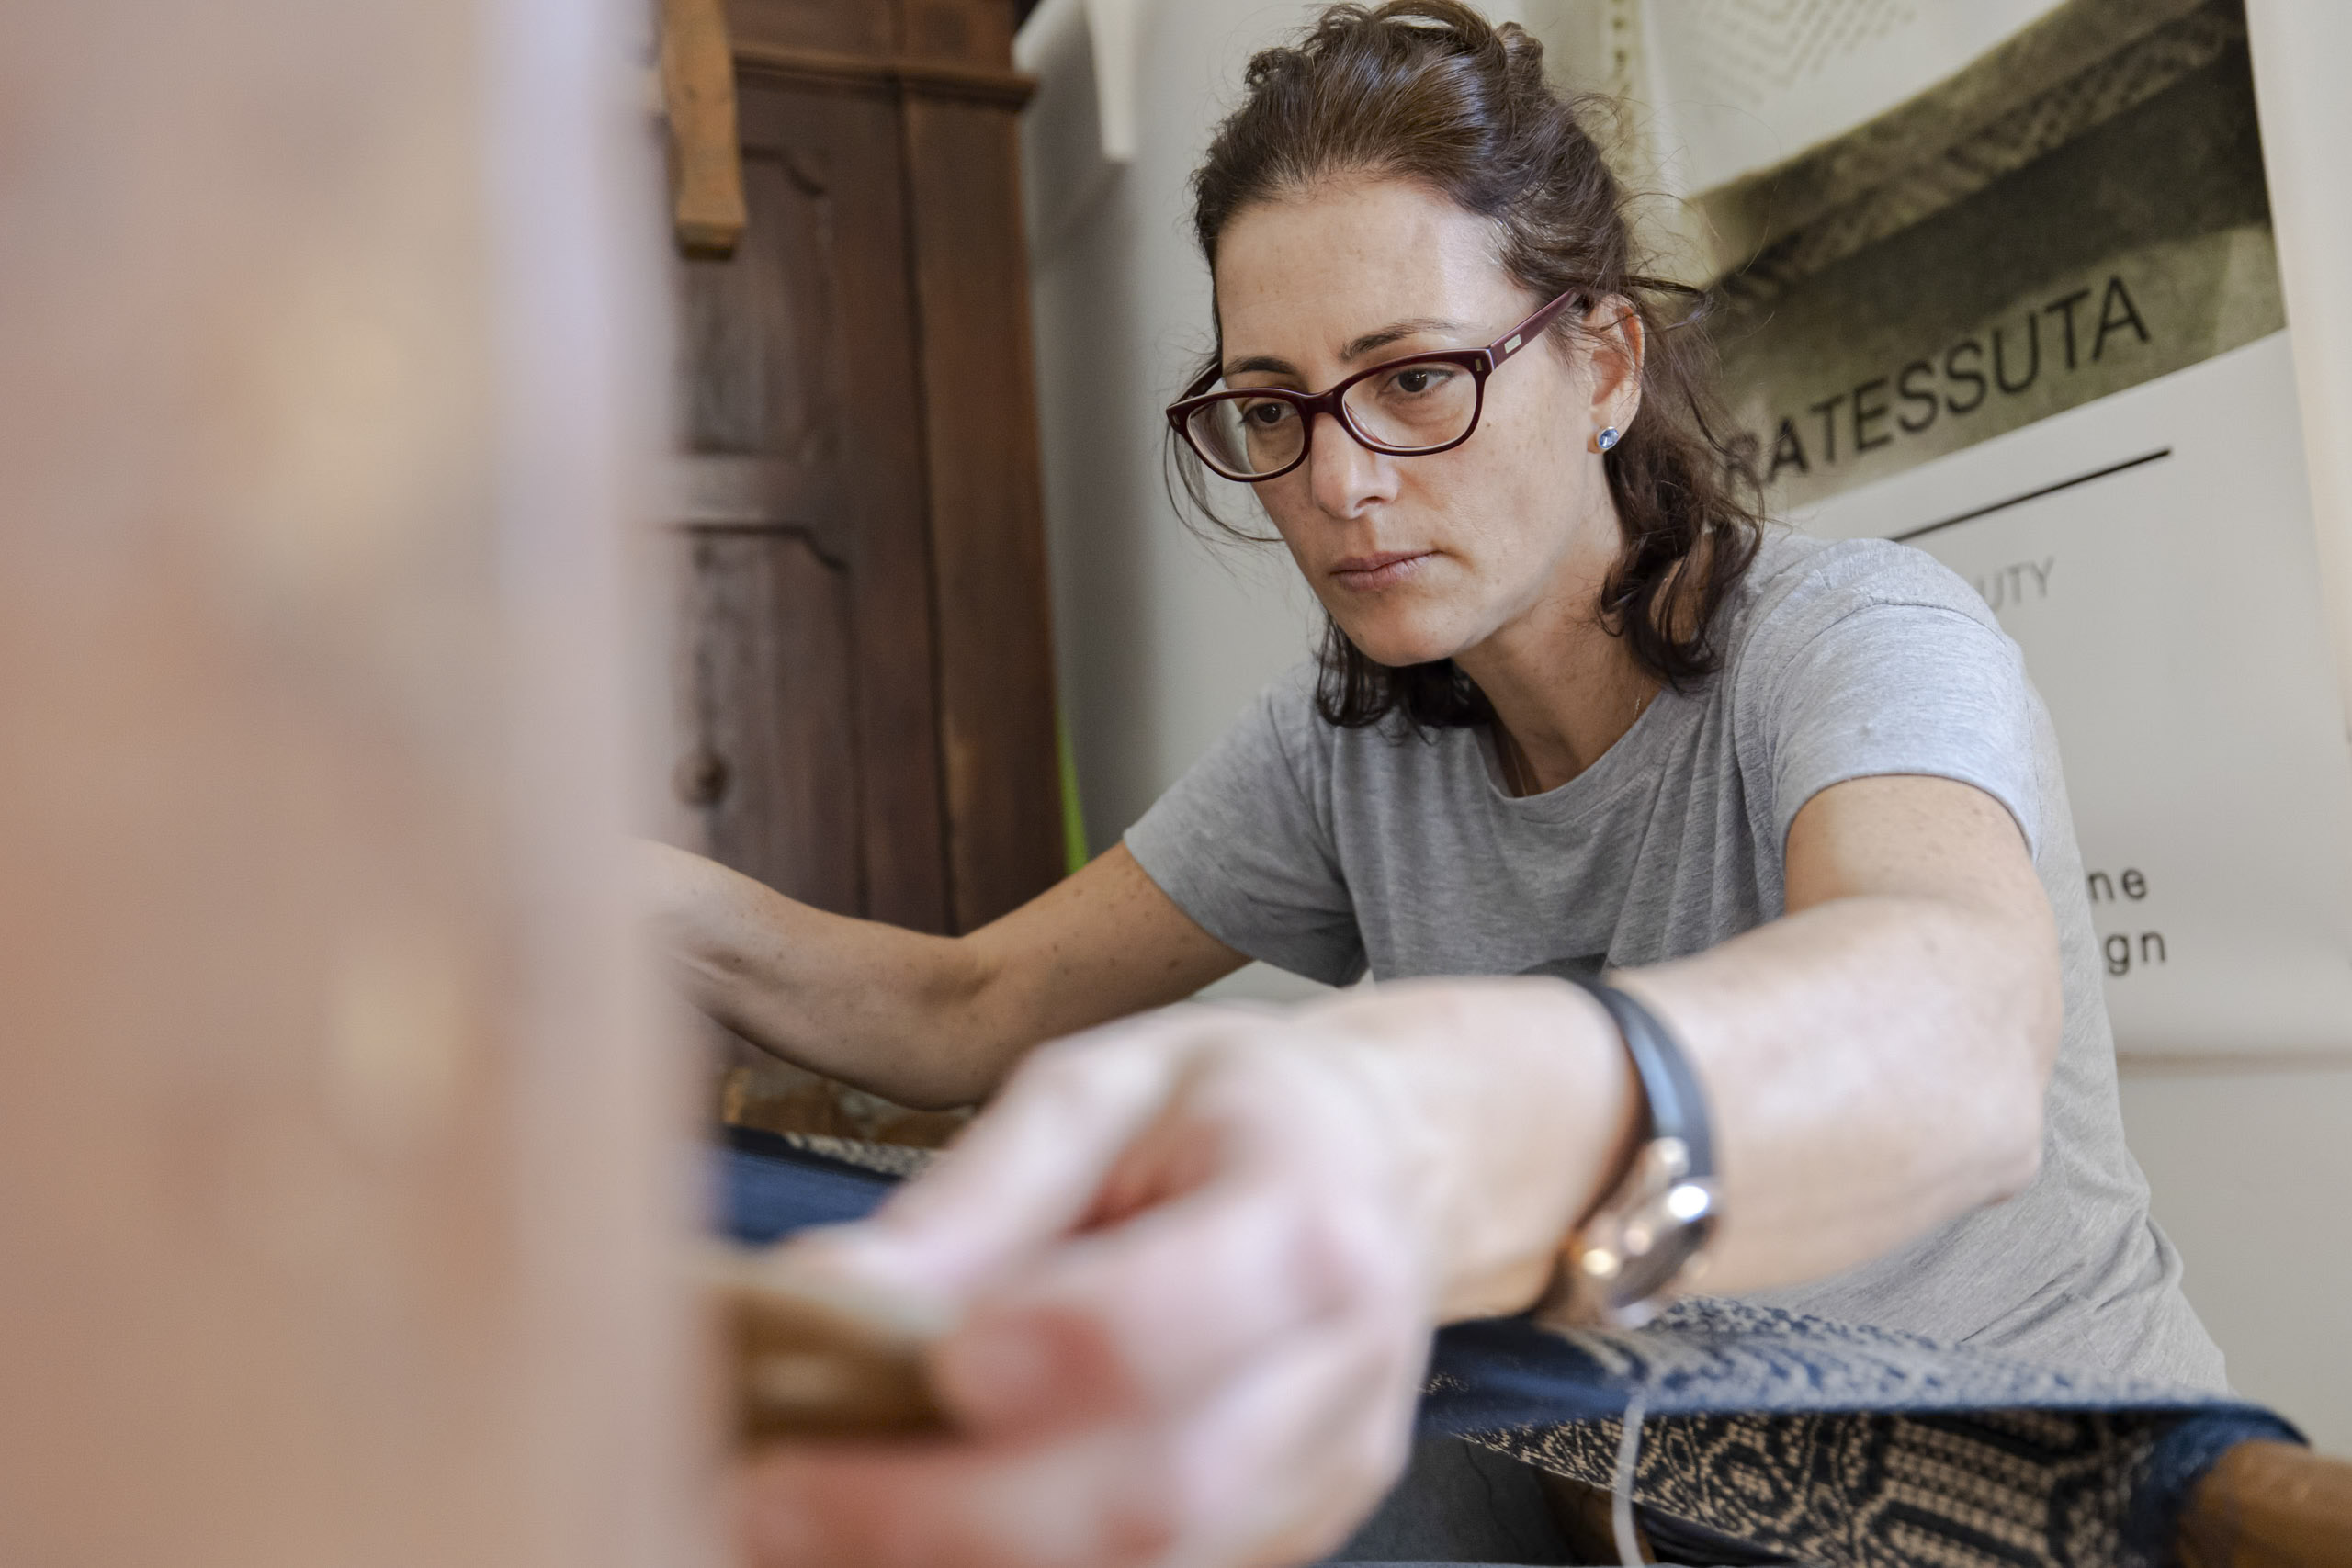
1378,570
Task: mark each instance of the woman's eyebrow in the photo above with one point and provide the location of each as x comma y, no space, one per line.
1266,362
1390,333
1357,348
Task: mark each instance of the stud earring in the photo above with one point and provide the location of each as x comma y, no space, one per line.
1607,438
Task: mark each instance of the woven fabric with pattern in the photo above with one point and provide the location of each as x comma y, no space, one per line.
1772,1437
1768,1436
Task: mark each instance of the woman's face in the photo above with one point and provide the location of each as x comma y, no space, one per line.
1419,558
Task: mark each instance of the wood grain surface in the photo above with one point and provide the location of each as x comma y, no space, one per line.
865,698
2270,1506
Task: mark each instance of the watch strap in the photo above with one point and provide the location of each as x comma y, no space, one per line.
1647,1231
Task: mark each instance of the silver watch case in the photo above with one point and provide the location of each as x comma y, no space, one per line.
1647,1236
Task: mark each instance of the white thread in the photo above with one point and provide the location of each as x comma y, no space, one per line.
1621,1502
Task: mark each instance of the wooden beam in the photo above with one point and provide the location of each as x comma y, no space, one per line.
2270,1506
707,161
988,536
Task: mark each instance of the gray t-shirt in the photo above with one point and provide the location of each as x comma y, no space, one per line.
1329,851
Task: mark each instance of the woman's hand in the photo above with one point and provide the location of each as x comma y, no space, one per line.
1195,1260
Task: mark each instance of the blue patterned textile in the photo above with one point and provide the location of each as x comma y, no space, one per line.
1767,1437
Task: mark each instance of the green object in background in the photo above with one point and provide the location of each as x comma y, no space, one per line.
1074,850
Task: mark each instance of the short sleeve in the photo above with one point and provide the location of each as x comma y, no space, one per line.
1243,842
1868,683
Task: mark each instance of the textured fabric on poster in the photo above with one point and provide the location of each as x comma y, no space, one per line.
1769,1436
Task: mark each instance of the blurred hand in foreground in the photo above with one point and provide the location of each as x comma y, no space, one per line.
1195,1260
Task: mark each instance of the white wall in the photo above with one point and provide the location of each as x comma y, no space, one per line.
1164,638
1161,637
2251,1161
2252,1171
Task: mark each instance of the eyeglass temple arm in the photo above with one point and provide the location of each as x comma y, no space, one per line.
1528,330
1201,383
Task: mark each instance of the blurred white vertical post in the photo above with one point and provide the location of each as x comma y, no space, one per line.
342,1162
577,227
2300,51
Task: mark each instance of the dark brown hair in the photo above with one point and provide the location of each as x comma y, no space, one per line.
1428,91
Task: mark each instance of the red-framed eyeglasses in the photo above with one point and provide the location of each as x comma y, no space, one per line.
1406,408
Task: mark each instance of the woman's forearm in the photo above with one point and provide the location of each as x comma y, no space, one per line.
1875,1068
929,1021
898,1012
1514,1102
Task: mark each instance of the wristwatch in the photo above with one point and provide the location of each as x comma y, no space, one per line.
1649,1232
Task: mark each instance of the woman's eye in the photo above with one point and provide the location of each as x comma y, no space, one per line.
1417,379
1266,414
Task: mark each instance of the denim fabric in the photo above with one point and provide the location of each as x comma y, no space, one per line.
767,1188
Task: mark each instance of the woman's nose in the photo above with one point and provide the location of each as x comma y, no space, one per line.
1343,475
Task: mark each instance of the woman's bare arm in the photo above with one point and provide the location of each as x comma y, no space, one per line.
925,1020
1875,1061
1210,1243
1878,1057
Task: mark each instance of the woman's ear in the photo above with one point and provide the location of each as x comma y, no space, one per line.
1619,342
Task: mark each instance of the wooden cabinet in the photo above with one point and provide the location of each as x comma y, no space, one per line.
865,690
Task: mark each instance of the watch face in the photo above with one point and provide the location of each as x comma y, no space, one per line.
1647,1234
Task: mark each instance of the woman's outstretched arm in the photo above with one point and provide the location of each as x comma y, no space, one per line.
1878,1057
1193,1259
926,1020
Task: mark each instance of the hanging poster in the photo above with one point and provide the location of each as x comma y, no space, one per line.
1998,279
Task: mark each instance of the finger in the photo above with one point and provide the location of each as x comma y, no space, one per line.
1289,1457
1028,1169
1152,1312
1298,1220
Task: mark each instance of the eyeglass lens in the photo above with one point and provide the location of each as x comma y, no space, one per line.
1412,406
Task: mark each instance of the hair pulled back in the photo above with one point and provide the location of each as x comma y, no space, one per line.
1428,91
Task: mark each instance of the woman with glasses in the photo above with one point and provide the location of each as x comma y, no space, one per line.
1719,885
